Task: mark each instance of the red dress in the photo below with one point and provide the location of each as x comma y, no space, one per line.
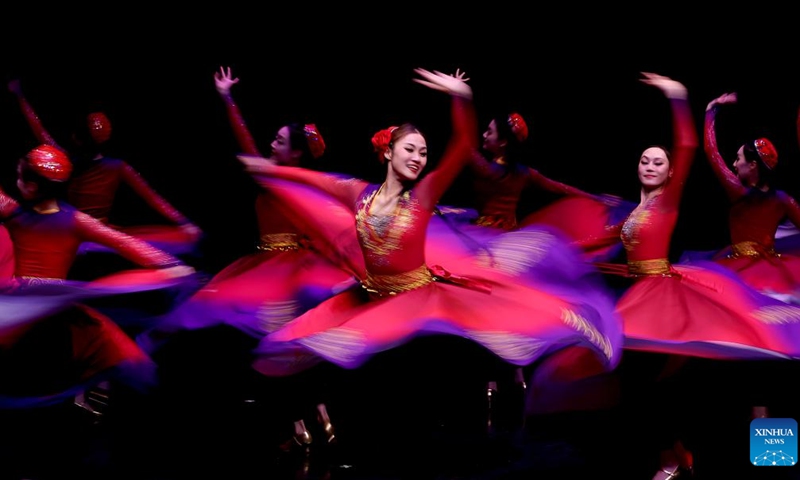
403,296
261,291
754,218
87,345
698,310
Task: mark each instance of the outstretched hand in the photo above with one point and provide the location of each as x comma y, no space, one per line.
224,80
256,164
670,87
455,84
723,99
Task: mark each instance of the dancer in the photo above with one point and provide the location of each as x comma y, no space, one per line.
684,311
757,209
70,347
97,178
258,293
500,176
402,297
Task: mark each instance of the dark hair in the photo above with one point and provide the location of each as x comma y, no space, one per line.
402,131
515,149
765,174
298,141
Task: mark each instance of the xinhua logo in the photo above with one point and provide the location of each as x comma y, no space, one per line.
773,442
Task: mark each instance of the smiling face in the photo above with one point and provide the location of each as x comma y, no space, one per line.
654,168
408,157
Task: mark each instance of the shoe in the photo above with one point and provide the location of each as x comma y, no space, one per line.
327,427
298,441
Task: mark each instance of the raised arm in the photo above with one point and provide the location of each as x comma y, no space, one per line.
463,139
41,134
730,182
684,135
224,80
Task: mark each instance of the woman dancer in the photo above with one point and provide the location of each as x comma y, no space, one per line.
51,357
679,310
258,293
401,297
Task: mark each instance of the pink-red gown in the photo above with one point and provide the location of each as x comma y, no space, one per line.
702,309
754,218
94,186
86,345
263,290
402,295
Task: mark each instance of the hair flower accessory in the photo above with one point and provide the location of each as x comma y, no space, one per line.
518,126
315,142
381,141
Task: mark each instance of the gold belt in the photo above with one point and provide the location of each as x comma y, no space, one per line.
751,249
656,266
383,285
279,241
496,222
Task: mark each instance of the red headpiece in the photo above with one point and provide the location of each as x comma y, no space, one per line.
99,127
518,126
315,142
50,162
380,142
766,151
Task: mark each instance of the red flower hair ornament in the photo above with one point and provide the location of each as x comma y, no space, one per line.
518,126
315,142
50,162
767,153
380,142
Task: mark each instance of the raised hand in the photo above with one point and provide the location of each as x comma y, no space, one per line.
723,99
453,84
670,87
224,80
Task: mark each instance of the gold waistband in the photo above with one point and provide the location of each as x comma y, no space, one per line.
750,249
382,285
496,221
279,241
656,266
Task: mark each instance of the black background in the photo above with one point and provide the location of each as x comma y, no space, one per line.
573,72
